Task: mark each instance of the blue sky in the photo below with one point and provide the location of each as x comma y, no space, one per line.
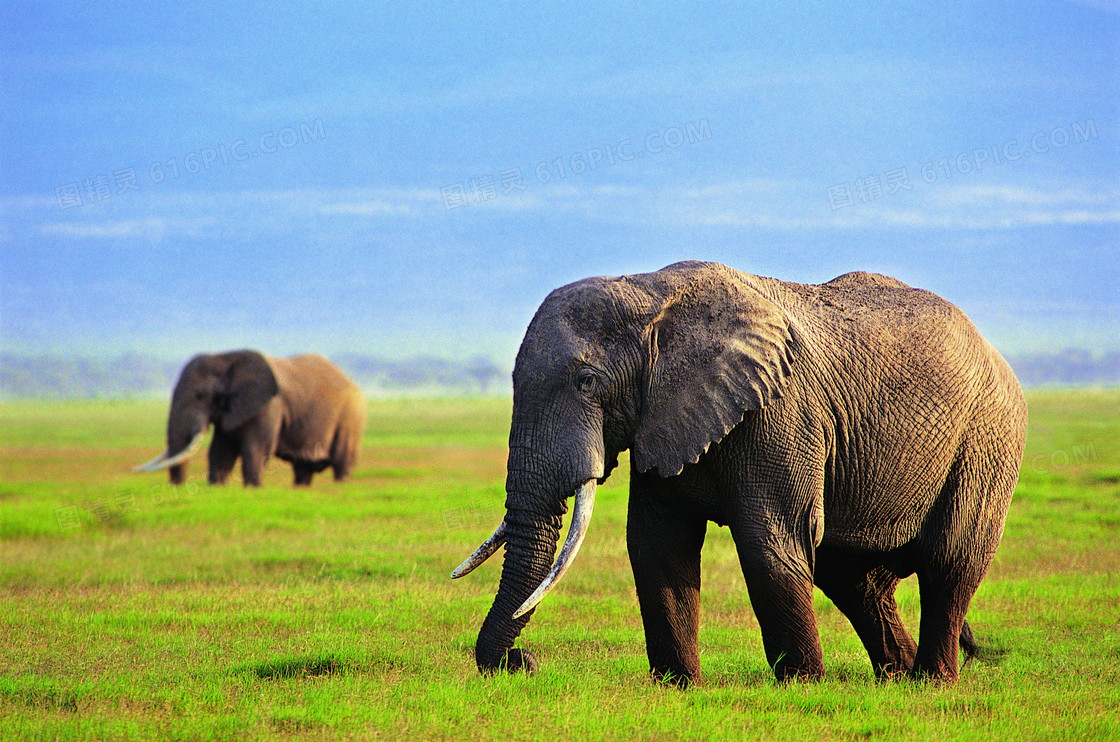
395,180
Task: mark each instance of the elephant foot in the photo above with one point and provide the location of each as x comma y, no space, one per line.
516,660
891,672
678,680
934,671
920,675
786,674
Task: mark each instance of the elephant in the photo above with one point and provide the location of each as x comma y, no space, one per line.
302,409
849,434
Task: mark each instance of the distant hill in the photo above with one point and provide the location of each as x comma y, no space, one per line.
53,377
139,375
420,374
1069,367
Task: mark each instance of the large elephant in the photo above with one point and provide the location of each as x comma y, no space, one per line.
849,434
301,409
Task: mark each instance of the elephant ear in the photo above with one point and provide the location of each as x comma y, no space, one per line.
251,385
716,350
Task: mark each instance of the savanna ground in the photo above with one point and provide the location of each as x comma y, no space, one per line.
133,610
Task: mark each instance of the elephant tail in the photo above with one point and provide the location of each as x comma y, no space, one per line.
991,653
968,644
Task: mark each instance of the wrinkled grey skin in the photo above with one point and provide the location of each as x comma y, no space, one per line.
849,434
301,409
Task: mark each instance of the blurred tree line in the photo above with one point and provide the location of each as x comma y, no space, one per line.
140,375
1069,367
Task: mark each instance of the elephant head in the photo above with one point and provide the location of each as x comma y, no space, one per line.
663,364
226,390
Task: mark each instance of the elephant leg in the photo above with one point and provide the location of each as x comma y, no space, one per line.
664,547
954,555
253,459
343,457
303,472
946,586
863,589
341,464
222,457
342,468
781,593
945,601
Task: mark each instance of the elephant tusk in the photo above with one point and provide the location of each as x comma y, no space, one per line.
151,464
484,552
162,462
581,517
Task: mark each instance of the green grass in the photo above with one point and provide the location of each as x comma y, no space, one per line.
133,610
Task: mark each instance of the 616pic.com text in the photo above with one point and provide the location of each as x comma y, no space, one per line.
96,188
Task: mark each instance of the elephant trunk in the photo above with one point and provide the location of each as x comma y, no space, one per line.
184,436
581,519
545,468
530,545
526,577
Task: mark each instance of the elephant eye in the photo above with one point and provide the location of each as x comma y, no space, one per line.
586,381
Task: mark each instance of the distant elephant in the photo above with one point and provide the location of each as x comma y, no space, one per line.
301,409
850,434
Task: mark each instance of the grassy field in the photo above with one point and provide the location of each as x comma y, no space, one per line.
133,610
